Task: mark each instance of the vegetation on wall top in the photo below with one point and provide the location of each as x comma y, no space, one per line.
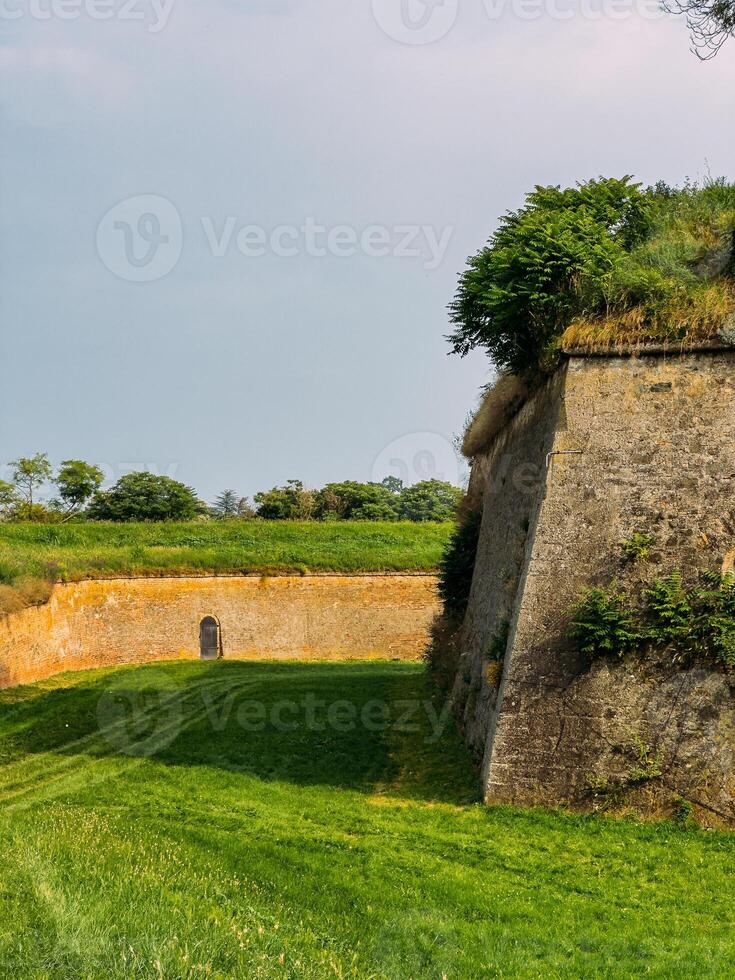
33,556
604,264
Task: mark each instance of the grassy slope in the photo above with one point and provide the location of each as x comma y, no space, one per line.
77,551
315,853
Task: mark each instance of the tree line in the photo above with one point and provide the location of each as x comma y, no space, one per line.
143,496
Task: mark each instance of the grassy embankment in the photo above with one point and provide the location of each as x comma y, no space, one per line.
315,852
32,556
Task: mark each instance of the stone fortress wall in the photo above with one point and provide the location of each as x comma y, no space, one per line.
119,621
609,447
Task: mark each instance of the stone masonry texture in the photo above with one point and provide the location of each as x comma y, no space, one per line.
609,447
104,623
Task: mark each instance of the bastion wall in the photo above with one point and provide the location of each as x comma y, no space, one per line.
609,447
104,623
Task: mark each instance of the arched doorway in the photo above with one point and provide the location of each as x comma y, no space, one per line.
210,639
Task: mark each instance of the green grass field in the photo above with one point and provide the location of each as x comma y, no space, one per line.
84,550
173,821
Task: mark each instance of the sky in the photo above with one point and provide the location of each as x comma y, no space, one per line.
229,230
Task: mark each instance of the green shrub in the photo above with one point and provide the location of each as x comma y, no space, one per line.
690,622
457,565
443,652
647,765
698,621
37,513
289,502
354,501
350,500
637,546
670,611
602,626
682,811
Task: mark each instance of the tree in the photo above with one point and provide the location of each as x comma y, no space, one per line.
77,482
29,473
244,509
290,502
429,500
353,501
392,483
226,504
8,497
145,497
710,23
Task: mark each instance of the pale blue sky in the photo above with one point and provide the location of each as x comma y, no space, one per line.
243,371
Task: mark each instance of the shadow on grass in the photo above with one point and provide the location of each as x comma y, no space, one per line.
370,726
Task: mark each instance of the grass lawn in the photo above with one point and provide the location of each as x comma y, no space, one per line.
215,820
75,551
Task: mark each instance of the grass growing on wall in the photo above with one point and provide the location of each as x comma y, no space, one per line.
312,852
601,265
31,554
